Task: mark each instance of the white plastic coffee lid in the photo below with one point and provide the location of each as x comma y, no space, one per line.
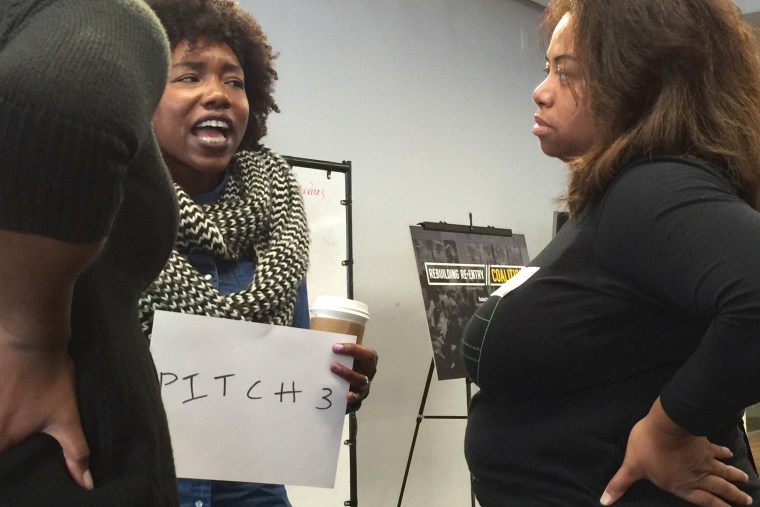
338,307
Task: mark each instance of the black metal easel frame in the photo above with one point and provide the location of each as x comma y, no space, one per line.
420,416
344,168
467,229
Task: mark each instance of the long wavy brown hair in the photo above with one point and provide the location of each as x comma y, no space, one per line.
225,21
665,77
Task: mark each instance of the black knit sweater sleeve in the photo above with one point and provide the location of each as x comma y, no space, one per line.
78,85
678,233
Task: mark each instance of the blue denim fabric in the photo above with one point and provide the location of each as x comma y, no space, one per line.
199,493
234,276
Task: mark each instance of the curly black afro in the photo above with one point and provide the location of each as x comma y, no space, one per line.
225,21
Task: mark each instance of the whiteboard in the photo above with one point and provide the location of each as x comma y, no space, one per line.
323,191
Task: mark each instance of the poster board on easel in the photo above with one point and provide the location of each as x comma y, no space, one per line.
459,266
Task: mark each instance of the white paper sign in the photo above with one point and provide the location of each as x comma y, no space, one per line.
250,402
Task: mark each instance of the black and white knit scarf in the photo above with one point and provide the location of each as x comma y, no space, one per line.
261,213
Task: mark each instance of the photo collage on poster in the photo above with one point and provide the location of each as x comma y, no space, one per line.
458,271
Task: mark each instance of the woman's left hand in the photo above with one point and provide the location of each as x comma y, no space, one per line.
365,367
676,461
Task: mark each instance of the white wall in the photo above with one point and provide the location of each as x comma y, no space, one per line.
430,100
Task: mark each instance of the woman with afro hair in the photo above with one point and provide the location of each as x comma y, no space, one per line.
242,249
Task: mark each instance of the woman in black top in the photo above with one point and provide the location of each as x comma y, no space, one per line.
87,220
618,371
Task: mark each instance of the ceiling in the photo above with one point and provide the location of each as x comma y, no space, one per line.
750,8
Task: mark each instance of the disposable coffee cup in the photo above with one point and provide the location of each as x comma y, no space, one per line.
337,314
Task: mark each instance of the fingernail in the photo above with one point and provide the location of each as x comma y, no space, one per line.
87,478
606,499
336,368
338,347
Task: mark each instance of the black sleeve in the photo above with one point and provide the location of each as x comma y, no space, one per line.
679,234
79,80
